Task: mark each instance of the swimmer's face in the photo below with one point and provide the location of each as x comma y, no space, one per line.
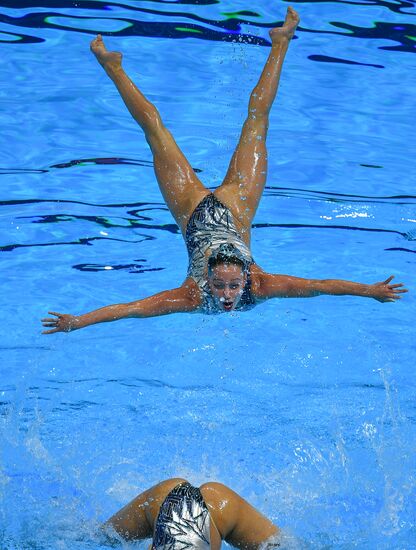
226,283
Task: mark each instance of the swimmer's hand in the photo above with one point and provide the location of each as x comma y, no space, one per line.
64,322
385,292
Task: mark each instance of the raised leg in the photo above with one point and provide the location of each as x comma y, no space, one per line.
244,182
180,187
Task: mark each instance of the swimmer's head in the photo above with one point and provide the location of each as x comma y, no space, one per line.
227,277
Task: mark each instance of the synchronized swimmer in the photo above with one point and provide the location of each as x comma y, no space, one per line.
222,275
178,516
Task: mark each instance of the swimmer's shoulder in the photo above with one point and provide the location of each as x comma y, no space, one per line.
192,293
256,276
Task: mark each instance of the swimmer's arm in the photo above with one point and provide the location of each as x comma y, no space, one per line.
285,286
186,298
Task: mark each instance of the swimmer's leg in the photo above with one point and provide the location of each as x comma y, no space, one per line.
136,520
244,182
237,521
180,187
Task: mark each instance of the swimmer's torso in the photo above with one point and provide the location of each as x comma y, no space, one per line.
210,226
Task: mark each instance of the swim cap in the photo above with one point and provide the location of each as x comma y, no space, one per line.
227,252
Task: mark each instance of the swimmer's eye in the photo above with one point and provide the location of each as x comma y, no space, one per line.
219,286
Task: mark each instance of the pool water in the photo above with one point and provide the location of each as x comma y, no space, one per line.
305,407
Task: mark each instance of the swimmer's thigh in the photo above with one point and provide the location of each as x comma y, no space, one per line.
239,523
244,182
178,183
136,520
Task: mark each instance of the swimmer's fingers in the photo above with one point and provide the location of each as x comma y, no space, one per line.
51,321
58,315
51,331
386,282
391,296
397,289
385,299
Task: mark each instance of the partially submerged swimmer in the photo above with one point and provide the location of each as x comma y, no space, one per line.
222,275
177,515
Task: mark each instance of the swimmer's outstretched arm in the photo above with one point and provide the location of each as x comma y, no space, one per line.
186,298
268,285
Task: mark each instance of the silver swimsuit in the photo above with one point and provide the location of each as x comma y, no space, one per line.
183,522
210,226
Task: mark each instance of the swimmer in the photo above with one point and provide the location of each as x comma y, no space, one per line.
177,515
222,275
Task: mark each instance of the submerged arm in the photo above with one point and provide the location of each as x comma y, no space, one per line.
178,300
285,286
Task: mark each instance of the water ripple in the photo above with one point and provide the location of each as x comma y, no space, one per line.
138,216
83,162
396,6
83,241
122,19
404,34
318,226
130,268
328,59
325,196
99,220
228,27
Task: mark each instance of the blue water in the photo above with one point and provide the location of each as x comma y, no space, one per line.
305,407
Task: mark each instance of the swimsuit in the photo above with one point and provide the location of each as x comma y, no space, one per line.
183,521
210,227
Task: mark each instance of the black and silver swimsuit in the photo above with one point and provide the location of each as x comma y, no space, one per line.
183,521
210,226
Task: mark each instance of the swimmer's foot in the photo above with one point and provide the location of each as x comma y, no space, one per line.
111,61
288,29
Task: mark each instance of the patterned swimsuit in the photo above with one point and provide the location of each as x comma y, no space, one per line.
211,226
183,522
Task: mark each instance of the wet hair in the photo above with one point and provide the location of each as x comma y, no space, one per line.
220,259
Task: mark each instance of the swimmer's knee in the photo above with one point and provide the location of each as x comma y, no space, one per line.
214,489
175,481
218,497
164,487
152,121
156,133
256,125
